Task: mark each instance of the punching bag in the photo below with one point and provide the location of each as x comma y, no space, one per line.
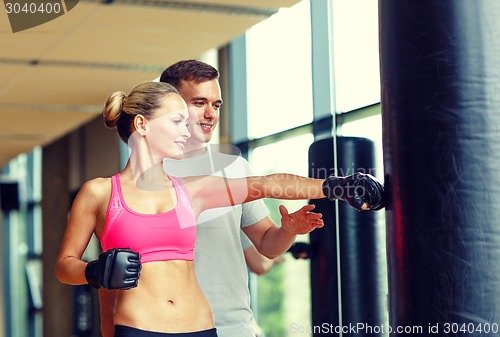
440,76
351,274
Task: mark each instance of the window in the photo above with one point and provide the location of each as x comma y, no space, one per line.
279,72
279,96
280,304
356,56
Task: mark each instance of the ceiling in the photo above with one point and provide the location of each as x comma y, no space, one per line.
55,77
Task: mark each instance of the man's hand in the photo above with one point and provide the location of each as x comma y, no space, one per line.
301,222
300,250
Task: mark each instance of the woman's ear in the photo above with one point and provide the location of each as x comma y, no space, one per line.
140,124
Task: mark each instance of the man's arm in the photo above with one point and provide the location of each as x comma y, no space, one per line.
258,263
107,303
272,240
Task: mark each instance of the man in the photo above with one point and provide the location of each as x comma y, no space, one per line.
219,260
256,262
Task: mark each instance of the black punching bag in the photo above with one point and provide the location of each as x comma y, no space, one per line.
440,76
361,250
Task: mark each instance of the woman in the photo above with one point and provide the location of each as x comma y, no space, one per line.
146,219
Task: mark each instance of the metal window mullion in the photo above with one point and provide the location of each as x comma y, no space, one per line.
323,81
238,104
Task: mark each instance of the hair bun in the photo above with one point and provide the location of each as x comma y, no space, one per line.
113,108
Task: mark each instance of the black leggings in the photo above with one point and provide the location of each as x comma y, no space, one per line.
126,331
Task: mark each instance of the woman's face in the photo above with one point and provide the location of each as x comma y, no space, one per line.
167,132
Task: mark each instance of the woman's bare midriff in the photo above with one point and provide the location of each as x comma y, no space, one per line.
167,299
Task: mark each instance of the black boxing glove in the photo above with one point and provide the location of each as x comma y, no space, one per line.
356,189
300,250
118,268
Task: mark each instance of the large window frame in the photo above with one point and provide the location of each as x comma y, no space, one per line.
327,120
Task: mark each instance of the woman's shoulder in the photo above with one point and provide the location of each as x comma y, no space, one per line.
97,187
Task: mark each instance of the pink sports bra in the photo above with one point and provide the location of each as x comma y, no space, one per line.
156,237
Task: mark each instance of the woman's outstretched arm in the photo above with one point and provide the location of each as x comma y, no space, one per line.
361,191
284,186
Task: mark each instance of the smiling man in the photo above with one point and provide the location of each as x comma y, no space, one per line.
219,260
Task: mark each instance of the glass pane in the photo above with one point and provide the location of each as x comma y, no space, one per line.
284,294
279,72
356,58
371,128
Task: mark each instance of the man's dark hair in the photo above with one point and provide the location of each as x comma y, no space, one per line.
188,70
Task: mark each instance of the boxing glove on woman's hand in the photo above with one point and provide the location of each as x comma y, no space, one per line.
357,189
117,268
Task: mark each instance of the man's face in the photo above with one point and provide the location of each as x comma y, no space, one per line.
203,101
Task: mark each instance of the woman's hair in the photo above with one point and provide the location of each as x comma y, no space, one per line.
120,109
189,70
